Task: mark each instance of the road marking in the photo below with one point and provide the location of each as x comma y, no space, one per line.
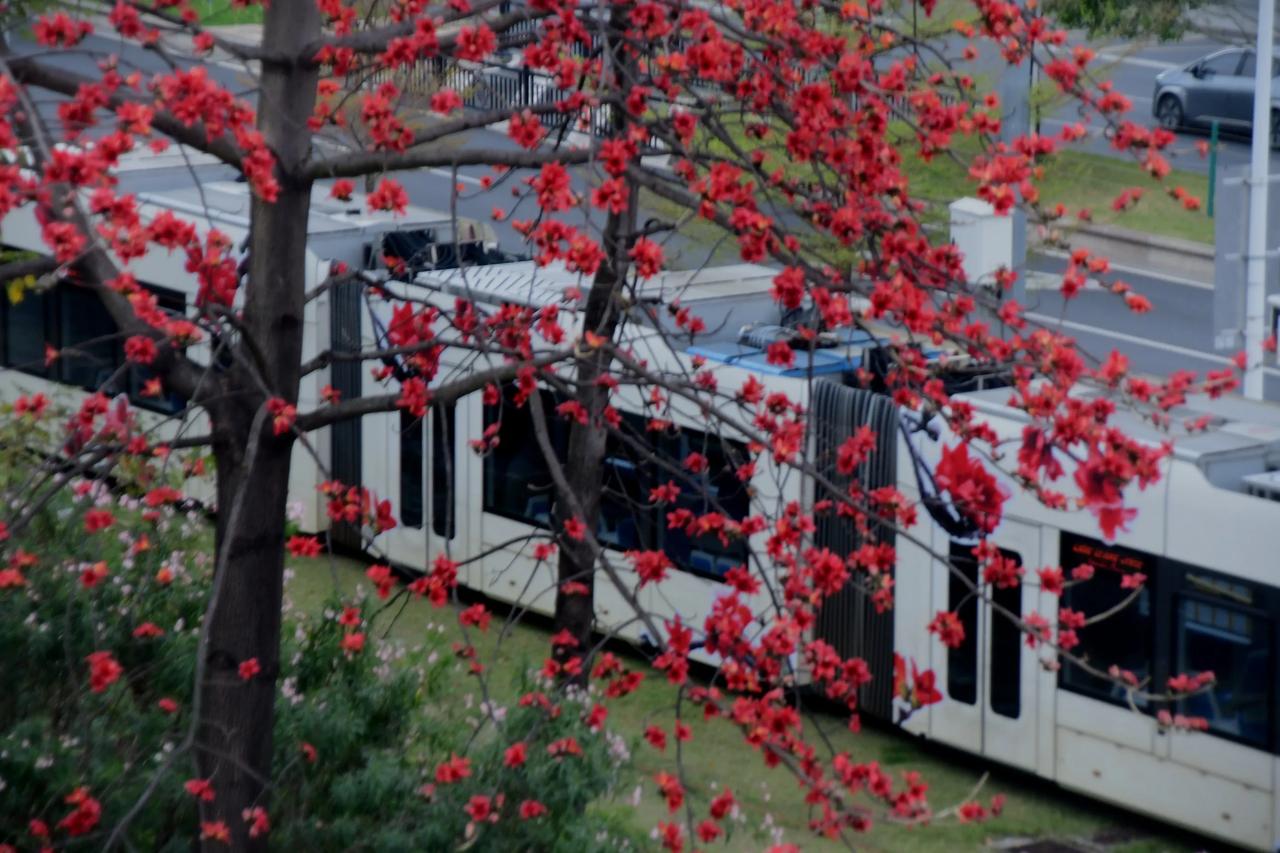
1134,339
466,179
1137,61
1125,268
1127,338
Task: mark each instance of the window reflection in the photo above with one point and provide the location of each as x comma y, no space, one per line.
1235,645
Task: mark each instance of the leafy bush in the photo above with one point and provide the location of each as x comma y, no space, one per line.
102,593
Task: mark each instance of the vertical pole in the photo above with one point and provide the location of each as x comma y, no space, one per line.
1255,307
1014,88
1213,165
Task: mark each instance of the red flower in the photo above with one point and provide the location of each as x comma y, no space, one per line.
167,705
98,519
708,831
526,130
342,190
389,195
647,256
949,628
515,755
475,43
446,101
93,575
60,30
104,671
140,349
975,492
259,823
304,546
650,566
353,643
722,804
201,789
554,188
215,830
1133,580
531,809
85,816
671,790
148,630
781,354
479,807
455,769
1051,580
476,615
382,579
657,737
282,415
575,529
249,668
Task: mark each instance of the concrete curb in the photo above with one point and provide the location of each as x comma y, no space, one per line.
1157,254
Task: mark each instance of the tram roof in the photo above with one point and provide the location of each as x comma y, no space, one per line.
1234,423
527,283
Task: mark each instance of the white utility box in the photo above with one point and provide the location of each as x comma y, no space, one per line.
983,237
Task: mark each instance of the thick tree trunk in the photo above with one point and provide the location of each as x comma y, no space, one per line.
584,472
237,714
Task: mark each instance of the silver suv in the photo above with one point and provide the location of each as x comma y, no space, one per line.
1219,88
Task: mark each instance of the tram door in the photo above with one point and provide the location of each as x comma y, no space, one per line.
989,681
427,459
1010,726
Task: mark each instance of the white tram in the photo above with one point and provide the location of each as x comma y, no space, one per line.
1206,535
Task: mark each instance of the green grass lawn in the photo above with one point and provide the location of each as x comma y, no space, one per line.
1079,179
215,13
717,755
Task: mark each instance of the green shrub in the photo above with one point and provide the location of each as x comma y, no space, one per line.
358,734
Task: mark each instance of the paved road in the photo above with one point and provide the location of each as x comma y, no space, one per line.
1176,335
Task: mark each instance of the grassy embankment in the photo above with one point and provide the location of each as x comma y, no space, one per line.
717,754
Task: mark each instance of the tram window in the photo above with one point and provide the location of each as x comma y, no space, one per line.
1006,648
410,470
1126,638
1217,631
626,516
718,489
89,338
443,471
25,332
962,661
71,319
517,481
518,485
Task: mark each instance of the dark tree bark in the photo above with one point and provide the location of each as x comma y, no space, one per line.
237,714
584,471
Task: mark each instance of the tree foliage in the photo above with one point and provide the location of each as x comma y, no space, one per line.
1159,19
101,633
783,125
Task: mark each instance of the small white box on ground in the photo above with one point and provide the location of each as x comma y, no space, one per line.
984,238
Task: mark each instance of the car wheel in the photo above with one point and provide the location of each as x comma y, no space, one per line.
1169,112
